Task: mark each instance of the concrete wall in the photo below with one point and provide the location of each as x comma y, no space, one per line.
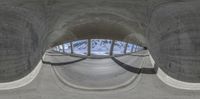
168,27
174,40
21,33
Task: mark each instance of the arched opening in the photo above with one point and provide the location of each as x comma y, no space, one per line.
97,48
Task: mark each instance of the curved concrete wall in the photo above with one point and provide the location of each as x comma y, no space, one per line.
174,40
168,27
21,32
97,19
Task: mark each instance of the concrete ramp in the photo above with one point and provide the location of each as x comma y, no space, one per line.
97,74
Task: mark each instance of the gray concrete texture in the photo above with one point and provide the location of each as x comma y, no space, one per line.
93,74
169,28
146,86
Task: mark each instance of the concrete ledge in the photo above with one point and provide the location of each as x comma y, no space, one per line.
173,82
176,83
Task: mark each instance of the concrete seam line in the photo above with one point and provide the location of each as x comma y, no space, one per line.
174,82
23,81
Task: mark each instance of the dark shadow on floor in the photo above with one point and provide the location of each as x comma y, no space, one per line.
134,69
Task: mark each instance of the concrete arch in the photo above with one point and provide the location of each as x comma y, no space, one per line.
97,23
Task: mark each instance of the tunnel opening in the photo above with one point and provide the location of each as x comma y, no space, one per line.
92,74
97,54
96,64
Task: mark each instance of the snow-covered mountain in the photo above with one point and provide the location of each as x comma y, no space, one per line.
100,46
80,47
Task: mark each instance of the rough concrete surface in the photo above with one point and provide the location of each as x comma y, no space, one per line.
48,86
168,28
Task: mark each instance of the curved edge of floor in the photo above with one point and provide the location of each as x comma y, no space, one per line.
130,84
174,82
23,81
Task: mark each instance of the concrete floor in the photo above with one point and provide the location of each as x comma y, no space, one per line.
96,74
146,86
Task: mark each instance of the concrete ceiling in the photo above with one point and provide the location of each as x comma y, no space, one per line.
169,28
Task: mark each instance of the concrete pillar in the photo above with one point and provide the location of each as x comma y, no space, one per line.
125,48
112,47
63,48
72,52
89,47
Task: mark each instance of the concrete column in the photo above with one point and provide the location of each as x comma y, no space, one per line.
112,47
125,48
72,52
63,48
89,47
